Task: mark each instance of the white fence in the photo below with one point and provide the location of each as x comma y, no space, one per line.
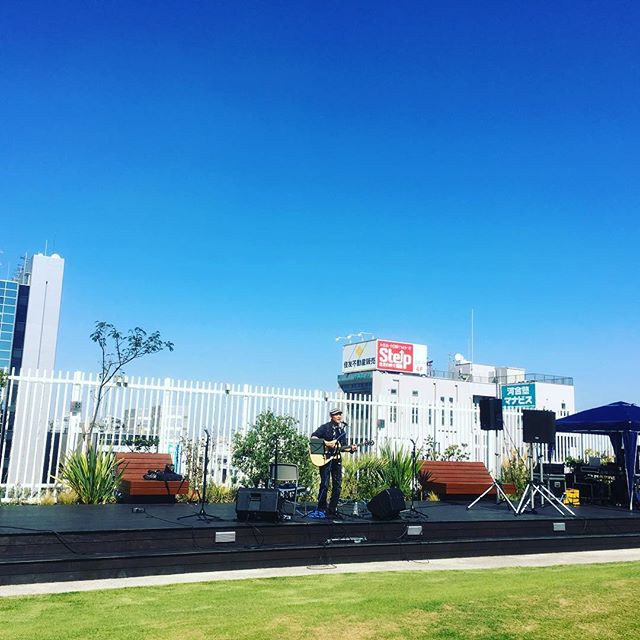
45,414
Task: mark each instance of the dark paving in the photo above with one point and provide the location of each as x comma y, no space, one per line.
23,519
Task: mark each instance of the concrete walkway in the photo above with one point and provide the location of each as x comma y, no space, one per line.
485,562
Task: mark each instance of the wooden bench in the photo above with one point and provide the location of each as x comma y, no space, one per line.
134,487
458,479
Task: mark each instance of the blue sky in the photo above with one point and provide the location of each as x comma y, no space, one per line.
254,179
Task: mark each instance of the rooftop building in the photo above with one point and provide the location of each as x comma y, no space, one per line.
30,313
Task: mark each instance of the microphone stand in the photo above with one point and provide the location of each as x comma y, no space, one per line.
414,483
202,514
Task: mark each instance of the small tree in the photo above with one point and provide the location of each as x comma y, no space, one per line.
255,451
118,350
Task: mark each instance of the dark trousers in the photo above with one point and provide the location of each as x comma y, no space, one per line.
331,471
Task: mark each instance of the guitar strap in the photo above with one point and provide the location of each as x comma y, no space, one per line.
337,434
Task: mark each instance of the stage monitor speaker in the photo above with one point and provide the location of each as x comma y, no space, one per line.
491,414
539,426
258,504
387,505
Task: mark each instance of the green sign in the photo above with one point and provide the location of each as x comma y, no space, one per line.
519,396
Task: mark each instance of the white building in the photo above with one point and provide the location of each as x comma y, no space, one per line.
29,319
402,371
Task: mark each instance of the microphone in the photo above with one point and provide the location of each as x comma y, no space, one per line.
207,432
344,424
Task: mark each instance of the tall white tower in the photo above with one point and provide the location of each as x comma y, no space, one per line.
44,277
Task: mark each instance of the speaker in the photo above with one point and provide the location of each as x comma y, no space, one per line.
539,426
491,414
387,505
258,504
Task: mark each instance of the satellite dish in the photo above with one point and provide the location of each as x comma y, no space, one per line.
459,358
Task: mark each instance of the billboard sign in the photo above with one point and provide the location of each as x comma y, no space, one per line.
519,396
359,357
385,355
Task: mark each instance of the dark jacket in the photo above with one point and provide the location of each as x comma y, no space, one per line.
326,432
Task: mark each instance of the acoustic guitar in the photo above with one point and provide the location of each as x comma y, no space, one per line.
321,454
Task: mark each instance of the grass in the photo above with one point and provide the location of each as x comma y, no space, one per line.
586,601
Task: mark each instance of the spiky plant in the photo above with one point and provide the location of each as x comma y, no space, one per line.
362,477
93,475
398,470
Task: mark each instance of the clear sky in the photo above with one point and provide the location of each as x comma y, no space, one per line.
253,179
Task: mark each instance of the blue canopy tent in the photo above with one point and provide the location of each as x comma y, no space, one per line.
618,420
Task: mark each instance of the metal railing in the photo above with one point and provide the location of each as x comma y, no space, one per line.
45,415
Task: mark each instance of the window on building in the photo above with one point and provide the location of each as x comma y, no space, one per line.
414,415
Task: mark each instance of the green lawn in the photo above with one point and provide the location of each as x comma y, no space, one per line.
574,602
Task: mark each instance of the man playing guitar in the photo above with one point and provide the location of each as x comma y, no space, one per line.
335,441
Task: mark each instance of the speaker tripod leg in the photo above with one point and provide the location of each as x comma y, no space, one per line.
554,501
487,490
527,497
503,495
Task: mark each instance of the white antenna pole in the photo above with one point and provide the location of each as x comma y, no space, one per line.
472,360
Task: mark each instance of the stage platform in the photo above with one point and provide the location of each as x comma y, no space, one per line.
80,542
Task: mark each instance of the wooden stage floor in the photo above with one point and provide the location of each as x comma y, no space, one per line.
80,542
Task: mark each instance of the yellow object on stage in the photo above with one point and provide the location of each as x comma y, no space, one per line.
572,496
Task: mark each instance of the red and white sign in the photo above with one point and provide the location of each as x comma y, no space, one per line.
394,356
385,355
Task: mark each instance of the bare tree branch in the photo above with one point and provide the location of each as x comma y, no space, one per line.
125,349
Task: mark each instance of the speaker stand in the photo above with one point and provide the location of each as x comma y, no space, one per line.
536,487
358,511
202,513
501,496
414,485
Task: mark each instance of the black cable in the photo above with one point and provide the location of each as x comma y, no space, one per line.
259,543
60,539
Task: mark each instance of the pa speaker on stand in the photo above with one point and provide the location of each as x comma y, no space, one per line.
491,414
539,427
491,419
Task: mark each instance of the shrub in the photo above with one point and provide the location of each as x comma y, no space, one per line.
220,493
255,451
515,470
453,453
47,499
93,475
141,443
398,470
67,496
362,478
